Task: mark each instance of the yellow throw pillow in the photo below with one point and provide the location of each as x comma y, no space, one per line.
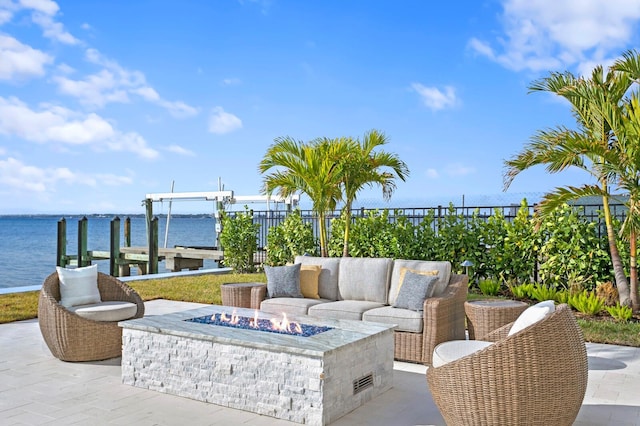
309,275
403,271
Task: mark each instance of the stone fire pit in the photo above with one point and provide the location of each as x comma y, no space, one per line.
312,380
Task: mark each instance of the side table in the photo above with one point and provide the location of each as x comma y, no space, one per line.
238,294
484,316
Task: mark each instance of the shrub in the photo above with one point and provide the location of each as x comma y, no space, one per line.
562,296
489,287
586,302
608,292
290,238
541,292
522,291
619,312
239,240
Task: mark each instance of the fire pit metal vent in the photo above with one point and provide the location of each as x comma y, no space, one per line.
364,382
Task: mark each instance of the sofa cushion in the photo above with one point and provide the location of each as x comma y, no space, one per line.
283,281
289,305
328,279
78,286
414,290
406,320
443,268
532,315
309,275
364,279
343,309
455,349
106,311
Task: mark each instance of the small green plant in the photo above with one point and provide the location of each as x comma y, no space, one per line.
619,312
522,291
586,302
541,292
562,296
239,239
290,238
489,287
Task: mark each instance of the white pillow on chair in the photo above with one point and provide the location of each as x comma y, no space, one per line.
78,286
532,315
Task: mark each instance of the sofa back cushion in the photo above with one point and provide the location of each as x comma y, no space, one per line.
443,268
365,279
328,278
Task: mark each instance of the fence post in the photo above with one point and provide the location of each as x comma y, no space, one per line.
153,246
61,255
83,254
114,258
127,232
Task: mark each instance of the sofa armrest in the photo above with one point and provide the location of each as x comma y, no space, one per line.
258,294
444,315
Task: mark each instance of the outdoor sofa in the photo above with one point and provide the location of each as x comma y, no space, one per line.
368,289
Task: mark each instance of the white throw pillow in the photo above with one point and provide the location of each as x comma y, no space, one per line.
532,315
78,286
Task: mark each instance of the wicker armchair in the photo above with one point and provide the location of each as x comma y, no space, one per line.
537,376
73,338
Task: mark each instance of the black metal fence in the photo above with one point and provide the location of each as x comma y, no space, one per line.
270,218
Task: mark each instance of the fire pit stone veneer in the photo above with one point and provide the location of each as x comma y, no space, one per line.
312,380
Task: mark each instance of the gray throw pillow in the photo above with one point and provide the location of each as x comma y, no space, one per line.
283,281
415,289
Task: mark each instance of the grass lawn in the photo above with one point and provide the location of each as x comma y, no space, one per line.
206,289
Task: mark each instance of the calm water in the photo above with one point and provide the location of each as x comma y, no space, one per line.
28,243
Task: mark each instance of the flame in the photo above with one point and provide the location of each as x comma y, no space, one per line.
224,317
285,325
254,321
234,318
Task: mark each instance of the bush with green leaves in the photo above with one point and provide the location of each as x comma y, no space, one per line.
571,248
239,240
489,287
290,238
541,292
586,302
620,313
522,291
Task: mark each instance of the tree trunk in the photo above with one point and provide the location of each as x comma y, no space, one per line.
347,227
633,274
621,279
322,229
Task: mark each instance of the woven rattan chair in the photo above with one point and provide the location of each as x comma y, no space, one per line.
73,338
537,376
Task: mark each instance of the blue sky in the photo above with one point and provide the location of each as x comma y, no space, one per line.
102,102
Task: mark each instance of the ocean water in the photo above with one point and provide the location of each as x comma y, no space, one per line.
28,243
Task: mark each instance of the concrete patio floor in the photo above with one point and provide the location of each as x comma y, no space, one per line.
37,389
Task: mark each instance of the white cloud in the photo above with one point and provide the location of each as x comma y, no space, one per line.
458,169
231,81
432,174
85,26
221,122
96,90
543,35
177,149
53,30
434,98
55,124
114,84
46,7
19,61
16,175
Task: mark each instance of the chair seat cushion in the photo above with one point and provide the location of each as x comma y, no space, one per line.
106,311
455,349
405,319
289,305
343,309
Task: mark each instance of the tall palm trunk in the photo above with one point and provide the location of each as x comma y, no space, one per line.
621,279
347,227
322,230
633,275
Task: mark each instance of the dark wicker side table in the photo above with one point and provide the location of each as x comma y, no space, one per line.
238,294
484,316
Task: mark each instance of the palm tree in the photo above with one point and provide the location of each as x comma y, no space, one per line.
312,168
591,148
363,167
